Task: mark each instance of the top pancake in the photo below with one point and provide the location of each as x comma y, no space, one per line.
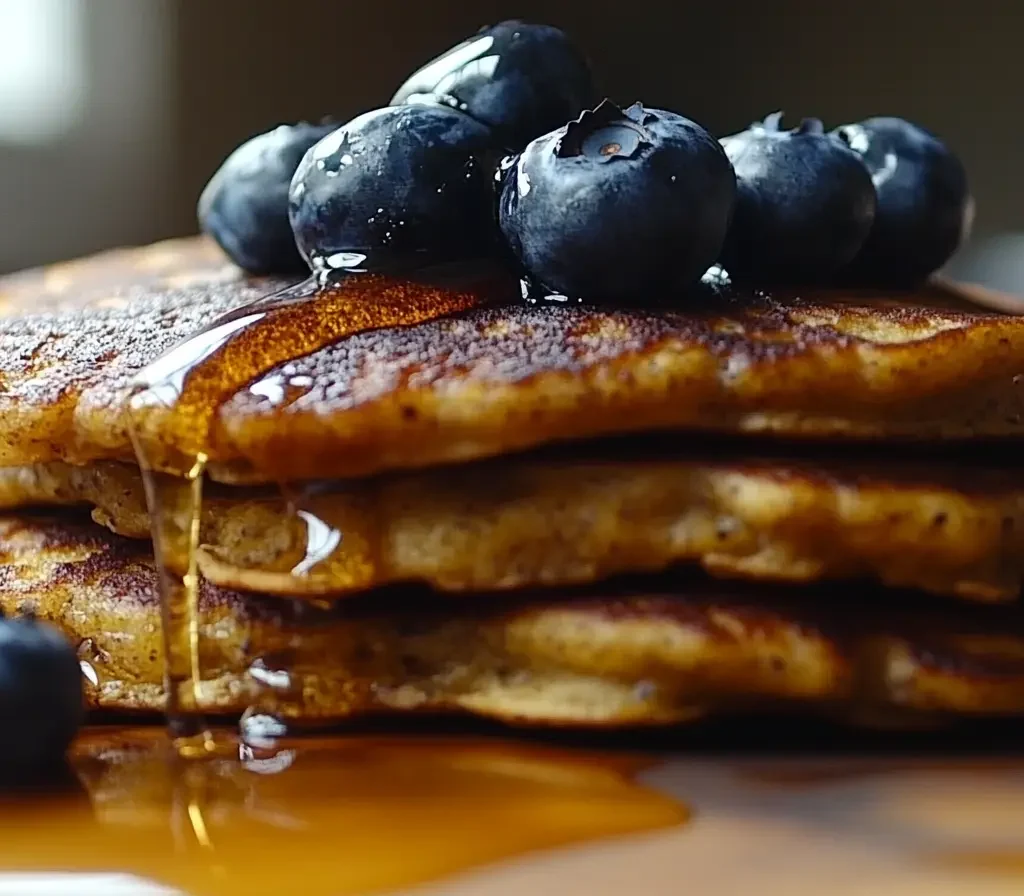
491,379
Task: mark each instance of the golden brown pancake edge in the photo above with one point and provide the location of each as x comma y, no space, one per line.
837,365
640,652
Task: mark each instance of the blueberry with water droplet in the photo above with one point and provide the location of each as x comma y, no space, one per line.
244,207
924,204
804,204
41,705
402,186
519,79
618,205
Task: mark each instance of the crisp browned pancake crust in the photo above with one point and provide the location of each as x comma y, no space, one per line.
653,654
492,380
571,517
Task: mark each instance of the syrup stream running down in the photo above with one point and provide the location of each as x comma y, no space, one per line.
173,414
179,602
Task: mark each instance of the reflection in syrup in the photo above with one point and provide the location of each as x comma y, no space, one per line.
373,814
332,816
322,539
173,412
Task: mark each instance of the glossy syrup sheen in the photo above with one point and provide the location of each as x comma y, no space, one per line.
325,816
185,387
195,378
481,817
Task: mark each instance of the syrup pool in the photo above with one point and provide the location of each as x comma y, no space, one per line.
474,816
355,815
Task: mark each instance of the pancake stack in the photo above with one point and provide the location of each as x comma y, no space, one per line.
546,515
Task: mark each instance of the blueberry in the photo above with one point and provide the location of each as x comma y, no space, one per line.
245,205
804,204
521,80
41,703
924,206
618,205
400,186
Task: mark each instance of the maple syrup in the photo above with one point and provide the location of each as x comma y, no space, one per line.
337,816
447,815
173,414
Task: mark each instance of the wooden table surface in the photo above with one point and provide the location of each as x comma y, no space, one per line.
479,815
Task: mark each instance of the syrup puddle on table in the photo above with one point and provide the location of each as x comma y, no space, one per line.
461,814
173,415
339,815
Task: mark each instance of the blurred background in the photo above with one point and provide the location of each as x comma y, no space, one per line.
113,113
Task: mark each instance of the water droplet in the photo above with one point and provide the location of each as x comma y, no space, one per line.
261,729
716,277
278,679
345,261
259,763
522,179
330,144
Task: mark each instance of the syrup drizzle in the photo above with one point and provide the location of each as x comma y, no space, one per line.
173,415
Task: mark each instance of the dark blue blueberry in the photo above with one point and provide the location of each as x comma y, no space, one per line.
924,206
245,205
521,80
619,205
404,186
41,703
804,204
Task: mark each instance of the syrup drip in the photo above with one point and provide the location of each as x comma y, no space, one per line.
175,403
179,602
173,416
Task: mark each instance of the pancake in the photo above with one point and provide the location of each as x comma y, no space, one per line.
571,516
488,380
652,653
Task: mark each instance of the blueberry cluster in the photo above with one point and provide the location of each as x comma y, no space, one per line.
882,202
499,148
41,703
